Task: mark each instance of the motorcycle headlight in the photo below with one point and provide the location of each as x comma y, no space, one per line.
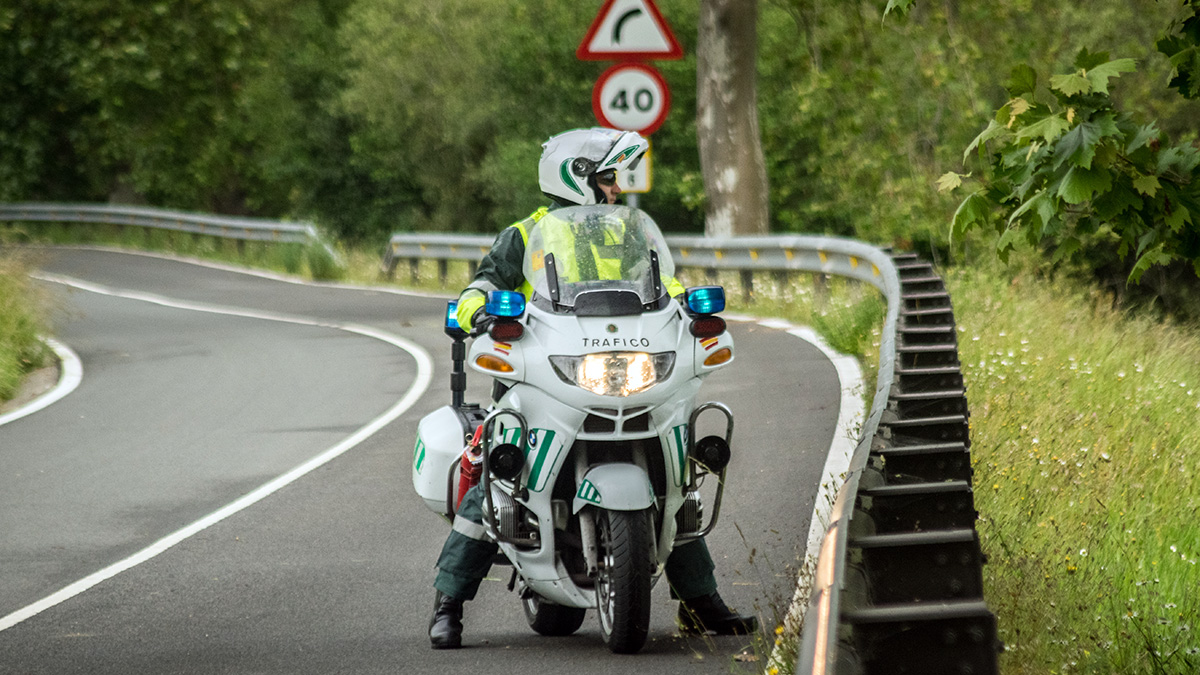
614,373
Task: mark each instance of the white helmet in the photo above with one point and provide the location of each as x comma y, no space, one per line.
571,160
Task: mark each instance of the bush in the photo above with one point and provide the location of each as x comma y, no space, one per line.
323,263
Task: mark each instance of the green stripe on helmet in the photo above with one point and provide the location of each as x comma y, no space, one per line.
565,174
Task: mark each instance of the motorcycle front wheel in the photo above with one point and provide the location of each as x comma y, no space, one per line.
625,577
547,618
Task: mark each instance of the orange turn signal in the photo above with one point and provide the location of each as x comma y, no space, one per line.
722,355
493,363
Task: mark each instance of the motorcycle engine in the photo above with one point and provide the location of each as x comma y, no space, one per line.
690,515
513,520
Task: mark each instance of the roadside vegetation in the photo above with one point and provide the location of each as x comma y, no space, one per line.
23,322
1084,436
311,261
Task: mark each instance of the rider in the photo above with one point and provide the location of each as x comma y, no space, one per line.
577,167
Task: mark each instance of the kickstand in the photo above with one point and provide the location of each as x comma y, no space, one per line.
512,581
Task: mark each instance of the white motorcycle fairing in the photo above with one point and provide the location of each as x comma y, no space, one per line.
559,414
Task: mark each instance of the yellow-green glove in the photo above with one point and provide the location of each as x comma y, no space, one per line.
469,302
674,288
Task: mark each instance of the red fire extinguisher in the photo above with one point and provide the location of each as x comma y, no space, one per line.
471,466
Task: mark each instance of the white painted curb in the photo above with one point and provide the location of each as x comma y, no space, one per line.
69,376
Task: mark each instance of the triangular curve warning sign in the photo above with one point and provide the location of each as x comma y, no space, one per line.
629,29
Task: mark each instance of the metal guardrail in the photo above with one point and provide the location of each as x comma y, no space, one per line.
746,254
898,583
245,229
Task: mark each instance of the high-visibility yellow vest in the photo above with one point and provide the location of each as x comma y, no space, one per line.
569,269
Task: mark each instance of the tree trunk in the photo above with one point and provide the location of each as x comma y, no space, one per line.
731,159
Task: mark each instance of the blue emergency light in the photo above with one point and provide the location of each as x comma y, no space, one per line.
505,304
451,326
706,299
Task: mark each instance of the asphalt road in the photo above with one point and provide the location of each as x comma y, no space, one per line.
182,412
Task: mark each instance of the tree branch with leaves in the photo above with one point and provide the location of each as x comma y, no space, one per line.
1061,166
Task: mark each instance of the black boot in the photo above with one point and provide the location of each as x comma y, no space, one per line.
708,614
445,628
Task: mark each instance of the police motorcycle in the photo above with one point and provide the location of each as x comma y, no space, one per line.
591,469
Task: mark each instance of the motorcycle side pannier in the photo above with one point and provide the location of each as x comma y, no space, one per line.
440,439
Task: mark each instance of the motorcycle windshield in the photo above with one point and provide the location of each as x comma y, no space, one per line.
579,254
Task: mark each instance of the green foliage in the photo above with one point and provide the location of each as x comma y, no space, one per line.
860,116
323,263
300,160
822,130
1066,168
290,257
221,107
1076,172
129,97
1182,47
899,6
39,104
852,330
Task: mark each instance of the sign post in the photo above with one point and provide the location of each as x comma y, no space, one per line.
630,95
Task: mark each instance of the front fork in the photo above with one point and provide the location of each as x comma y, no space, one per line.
587,524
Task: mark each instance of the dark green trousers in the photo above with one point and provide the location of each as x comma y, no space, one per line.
468,553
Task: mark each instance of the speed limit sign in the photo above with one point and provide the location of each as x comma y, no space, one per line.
632,97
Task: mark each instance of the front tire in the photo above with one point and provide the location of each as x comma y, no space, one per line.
547,618
625,578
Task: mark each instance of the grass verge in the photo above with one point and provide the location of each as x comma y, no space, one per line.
1083,433
22,321
311,261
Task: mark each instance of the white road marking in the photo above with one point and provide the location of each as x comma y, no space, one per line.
414,393
69,377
